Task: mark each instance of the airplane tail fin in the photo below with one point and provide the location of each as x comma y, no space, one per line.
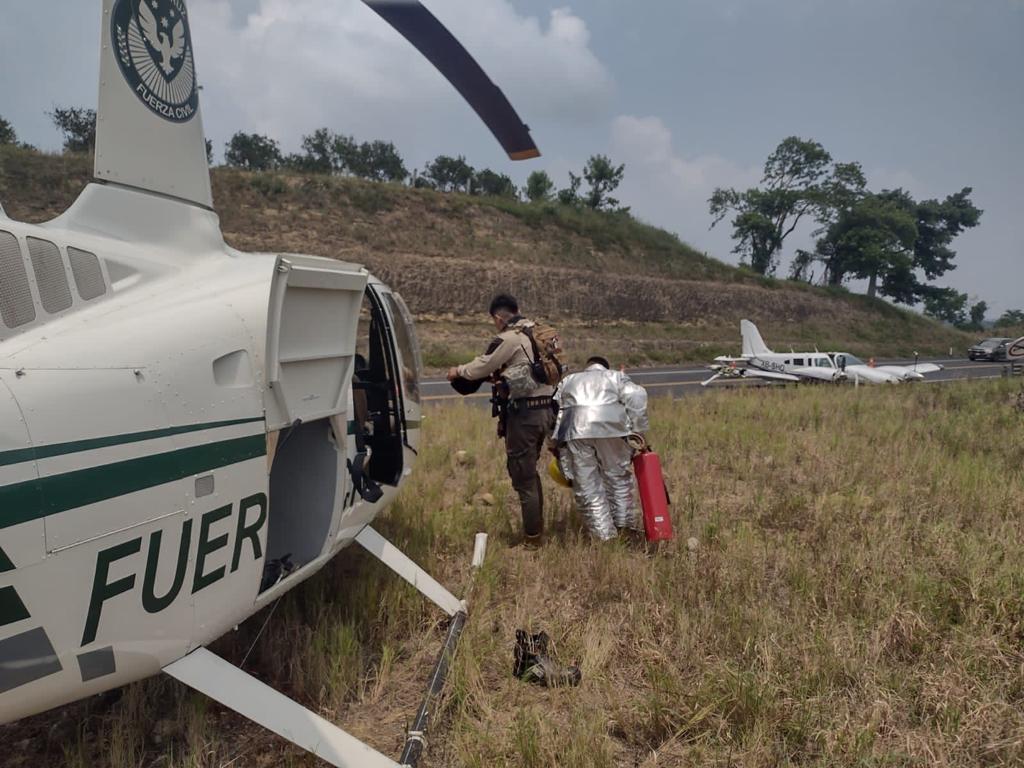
149,131
753,344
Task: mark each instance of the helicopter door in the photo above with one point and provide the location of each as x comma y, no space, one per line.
311,346
314,310
379,422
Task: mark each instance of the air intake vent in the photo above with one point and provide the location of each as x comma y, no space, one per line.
51,279
16,306
88,275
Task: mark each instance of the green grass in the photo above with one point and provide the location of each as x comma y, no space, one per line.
854,597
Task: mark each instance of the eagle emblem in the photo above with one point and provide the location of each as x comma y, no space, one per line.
170,47
153,47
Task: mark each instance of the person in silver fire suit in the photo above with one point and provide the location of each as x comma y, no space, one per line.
597,409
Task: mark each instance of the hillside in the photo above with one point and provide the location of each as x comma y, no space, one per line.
632,290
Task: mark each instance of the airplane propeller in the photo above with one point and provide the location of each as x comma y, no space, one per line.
421,28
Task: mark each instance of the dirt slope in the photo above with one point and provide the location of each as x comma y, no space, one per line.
447,254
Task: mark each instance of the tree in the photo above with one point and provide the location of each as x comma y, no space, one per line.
977,312
1011,318
252,152
539,187
938,223
7,134
874,240
380,161
320,154
571,194
78,126
487,182
799,180
603,178
347,157
450,173
945,304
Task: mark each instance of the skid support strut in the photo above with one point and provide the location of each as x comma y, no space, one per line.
397,561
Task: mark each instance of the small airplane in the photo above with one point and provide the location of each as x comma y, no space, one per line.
758,363
858,371
187,432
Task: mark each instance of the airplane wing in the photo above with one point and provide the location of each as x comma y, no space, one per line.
902,370
757,373
727,374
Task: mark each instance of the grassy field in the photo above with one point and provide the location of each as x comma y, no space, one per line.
853,596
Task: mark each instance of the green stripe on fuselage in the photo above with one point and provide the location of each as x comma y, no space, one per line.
78,446
35,499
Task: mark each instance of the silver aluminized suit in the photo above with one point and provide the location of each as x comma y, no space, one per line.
597,409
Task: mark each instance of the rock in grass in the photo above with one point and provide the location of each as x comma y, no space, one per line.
692,544
485,499
462,458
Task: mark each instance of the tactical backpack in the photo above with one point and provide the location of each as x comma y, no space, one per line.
547,346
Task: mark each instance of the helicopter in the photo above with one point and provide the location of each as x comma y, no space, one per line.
187,432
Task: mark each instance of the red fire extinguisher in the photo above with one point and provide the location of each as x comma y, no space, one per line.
653,495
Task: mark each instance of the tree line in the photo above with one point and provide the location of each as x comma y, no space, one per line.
330,153
327,152
887,237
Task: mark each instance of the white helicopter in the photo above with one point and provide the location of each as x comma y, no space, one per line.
757,362
186,431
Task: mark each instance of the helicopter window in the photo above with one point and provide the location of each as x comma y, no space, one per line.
51,278
377,416
16,305
407,346
88,275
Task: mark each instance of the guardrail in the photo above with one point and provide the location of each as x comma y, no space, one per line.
1014,369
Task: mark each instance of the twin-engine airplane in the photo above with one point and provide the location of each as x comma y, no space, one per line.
757,362
187,431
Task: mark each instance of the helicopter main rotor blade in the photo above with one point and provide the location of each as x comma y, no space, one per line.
430,37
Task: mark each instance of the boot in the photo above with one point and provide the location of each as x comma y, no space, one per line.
533,542
528,648
534,665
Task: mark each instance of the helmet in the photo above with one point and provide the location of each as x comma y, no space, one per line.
555,470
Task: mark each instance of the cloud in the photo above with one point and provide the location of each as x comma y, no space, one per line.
290,66
670,189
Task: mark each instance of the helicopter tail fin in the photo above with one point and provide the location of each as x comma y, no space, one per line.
753,344
149,131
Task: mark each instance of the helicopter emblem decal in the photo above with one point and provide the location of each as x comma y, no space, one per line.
153,48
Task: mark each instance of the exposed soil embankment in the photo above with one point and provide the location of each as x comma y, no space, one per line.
449,253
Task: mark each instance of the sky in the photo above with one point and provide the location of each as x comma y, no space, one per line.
927,95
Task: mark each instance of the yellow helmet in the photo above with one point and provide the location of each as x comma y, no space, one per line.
555,470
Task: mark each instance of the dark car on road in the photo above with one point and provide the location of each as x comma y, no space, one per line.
989,349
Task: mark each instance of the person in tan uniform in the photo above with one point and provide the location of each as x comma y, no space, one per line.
530,412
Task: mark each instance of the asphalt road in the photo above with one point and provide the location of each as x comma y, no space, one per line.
685,379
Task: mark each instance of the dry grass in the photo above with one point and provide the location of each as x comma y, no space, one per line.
856,598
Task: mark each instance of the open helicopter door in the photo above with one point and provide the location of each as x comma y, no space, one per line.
311,346
385,391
